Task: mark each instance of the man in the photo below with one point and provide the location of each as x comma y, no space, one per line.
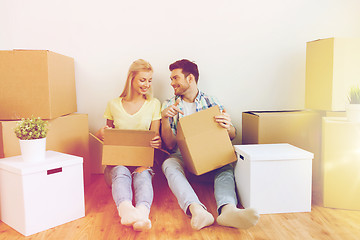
187,100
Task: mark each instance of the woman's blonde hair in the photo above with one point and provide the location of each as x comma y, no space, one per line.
137,66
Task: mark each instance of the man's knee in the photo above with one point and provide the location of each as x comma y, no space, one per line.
170,165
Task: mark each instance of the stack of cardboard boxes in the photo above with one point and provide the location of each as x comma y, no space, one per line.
41,83
331,68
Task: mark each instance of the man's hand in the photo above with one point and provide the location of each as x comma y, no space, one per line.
172,110
224,120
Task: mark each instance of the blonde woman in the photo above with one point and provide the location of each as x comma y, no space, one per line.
134,109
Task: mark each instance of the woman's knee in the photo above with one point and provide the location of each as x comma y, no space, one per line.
120,171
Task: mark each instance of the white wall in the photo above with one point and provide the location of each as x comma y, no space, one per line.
251,54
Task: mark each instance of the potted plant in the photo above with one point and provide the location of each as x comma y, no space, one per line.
32,134
353,109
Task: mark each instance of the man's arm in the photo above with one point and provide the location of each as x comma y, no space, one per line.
166,132
225,121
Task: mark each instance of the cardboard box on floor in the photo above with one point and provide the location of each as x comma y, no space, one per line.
203,143
123,147
332,67
36,83
67,134
299,128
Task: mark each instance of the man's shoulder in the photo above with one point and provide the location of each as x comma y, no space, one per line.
170,101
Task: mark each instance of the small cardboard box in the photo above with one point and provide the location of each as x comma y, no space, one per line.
299,128
67,134
274,178
128,147
37,196
341,159
203,143
36,83
332,67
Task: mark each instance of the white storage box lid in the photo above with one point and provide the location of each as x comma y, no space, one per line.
53,161
270,152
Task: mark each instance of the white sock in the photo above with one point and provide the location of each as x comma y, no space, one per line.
231,216
144,222
128,213
200,218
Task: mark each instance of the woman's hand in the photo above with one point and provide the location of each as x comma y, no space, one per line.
156,142
100,134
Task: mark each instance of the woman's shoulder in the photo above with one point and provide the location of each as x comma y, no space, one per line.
154,101
115,100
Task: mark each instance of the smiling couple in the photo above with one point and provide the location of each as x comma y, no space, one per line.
137,109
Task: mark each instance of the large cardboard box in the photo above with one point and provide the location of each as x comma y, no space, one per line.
203,143
67,134
341,159
299,128
37,196
274,178
36,83
332,67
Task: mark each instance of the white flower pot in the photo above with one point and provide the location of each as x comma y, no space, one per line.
33,150
353,112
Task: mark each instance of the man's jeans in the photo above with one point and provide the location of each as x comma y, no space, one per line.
224,184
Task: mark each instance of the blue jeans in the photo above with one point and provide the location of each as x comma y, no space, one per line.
224,184
120,179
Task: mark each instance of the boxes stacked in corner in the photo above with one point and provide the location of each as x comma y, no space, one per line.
37,196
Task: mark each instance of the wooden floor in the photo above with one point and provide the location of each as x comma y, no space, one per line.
169,222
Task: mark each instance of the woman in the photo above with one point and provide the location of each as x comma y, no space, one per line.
134,109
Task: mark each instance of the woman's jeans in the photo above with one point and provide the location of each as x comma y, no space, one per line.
120,179
224,183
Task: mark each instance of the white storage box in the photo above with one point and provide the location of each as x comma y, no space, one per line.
37,196
274,178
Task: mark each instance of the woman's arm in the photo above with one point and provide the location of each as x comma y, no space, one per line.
156,141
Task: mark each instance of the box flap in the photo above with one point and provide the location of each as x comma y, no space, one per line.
258,113
54,160
140,138
271,152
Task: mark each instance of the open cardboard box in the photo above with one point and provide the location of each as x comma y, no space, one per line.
203,143
125,147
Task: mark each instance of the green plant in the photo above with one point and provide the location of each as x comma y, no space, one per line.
31,128
354,95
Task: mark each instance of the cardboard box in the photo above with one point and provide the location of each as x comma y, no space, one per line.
67,134
96,153
96,149
37,196
36,83
203,143
128,147
274,178
332,67
299,128
341,160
